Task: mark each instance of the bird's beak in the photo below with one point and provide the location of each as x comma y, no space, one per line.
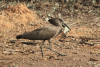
66,27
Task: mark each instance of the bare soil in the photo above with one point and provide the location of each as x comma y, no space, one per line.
82,46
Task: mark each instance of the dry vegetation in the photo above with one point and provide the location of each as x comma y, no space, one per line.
82,46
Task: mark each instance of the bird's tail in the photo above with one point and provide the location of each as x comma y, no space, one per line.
19,37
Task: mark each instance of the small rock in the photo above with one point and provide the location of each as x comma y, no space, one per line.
5,52
28,51
52,58
67,43
78,40
97,47
74,52
13,52
98,65
74,39
94,52
45,59
98,18
90,63
10,51
47,19
61,40
24,45
15,65
57,4
92,59
32,24
98,24
91,44
95,66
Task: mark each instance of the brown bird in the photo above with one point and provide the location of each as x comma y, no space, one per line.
45,33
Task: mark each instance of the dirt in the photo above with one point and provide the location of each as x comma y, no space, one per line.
82,46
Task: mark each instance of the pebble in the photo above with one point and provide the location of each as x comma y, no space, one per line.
94,52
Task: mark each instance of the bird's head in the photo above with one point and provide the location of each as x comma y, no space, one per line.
59,22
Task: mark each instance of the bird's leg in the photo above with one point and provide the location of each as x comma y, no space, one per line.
53,50
41,48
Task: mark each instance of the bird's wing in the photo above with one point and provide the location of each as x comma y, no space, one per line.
43,33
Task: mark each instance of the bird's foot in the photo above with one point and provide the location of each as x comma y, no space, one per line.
62,55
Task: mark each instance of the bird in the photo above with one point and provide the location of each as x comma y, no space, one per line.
45,33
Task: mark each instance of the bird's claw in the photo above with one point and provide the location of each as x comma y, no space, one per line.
62,55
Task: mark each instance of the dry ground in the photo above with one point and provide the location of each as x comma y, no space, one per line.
82,46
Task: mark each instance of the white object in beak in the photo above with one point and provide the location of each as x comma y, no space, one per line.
66,29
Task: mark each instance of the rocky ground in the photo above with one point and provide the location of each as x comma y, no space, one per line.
82,46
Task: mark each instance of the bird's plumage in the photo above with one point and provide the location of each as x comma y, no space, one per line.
44,33
56,21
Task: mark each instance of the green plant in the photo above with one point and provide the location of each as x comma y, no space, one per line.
67,0
33,6
94,1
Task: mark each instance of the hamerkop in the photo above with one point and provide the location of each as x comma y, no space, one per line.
45,33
